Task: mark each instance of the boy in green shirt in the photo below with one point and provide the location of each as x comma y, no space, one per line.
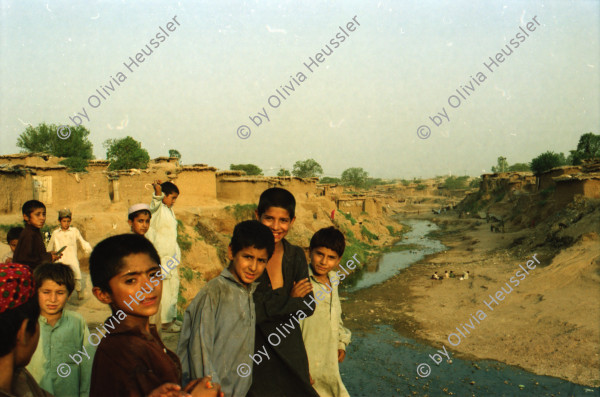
62,332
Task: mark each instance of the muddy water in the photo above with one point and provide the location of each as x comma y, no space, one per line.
383,363
390,263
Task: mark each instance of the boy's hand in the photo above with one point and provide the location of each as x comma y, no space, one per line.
204,388
157,188
341,355
301,288
55,256
166,390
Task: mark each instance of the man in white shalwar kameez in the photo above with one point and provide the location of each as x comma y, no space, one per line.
163,235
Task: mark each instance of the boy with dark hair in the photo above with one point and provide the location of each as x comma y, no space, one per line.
70,237
283,290
131,360
12,239
31,250
19,331
324,334
218,326
138,217
62,332
163,234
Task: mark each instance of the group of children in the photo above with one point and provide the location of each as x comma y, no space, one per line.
229,325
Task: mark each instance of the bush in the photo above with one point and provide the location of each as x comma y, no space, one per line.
183,240
546,161
453,182
243,212
421,187
75,164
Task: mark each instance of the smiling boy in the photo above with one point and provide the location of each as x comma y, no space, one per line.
219,325
31,250
282,291
131,360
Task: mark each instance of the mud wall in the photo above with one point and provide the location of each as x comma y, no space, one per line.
239,190
196,186
546,181
16,189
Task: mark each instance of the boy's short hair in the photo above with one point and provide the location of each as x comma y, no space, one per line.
58,272
252,234
31,206
13,313
107,257
168,188
277,197
135,214
14,233
329,237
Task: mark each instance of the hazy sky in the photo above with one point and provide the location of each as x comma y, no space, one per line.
360,107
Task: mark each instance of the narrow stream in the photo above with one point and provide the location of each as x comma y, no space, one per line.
390,263
383,363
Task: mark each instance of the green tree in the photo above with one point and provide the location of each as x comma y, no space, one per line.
374,182
502,165
283,172
249,169
307,169
45,138
126,153
587,148
546,161
519,167
175,153
356,177
329,179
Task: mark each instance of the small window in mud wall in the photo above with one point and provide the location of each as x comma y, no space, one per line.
42,189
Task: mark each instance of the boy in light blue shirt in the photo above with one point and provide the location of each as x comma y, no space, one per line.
217,336
62,332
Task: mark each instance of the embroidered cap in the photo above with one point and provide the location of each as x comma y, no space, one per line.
138,207
64,213
16,285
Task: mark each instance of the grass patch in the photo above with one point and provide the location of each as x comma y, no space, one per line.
242,212
183,240
420,186
368,234
349,217
189,274
401,247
